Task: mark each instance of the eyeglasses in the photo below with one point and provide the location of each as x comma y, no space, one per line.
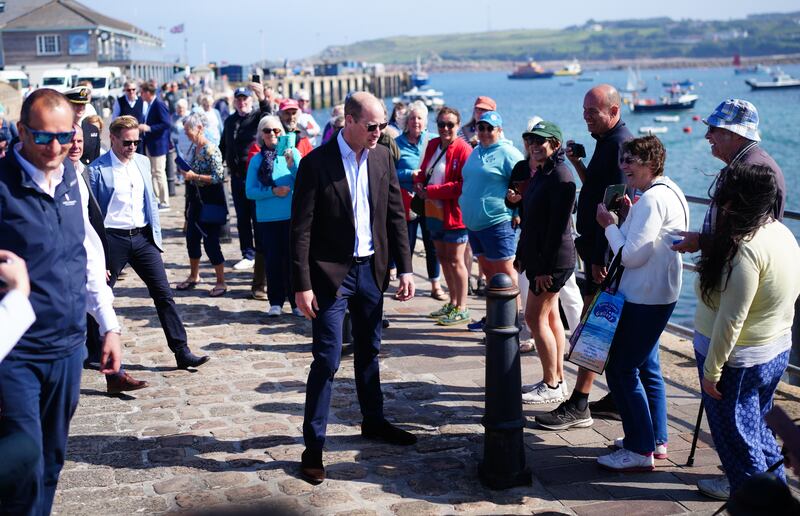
130,89
442,125
371,128
534,139
628,160
274,130
485,128
45,137
129,143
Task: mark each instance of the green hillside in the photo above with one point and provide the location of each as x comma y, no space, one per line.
755,35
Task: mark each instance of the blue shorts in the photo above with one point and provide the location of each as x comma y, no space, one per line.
450,236
495,243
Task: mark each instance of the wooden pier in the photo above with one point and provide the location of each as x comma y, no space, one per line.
326,91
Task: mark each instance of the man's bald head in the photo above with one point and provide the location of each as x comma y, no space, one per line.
45,115
355,103
42,99
364,115
601,108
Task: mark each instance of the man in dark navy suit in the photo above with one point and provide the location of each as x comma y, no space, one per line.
155,131
347,218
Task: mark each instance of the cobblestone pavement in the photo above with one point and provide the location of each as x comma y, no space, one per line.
229,434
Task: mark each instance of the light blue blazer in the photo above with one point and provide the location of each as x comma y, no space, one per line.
101,180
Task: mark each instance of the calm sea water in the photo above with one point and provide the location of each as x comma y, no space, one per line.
689,161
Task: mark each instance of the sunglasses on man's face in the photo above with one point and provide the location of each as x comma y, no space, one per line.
371,128
45,137
129,143
130,89
485,128
443,125
535,140
274,130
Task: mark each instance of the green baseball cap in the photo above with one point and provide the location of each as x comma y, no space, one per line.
545,129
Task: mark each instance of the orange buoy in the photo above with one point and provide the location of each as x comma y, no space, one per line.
696,118
687,129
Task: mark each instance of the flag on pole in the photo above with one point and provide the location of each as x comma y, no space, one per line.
178,29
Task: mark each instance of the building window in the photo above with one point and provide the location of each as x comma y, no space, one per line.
48,45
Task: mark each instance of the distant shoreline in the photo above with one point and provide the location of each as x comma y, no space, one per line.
613,64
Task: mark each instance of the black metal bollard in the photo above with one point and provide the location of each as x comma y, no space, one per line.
503,463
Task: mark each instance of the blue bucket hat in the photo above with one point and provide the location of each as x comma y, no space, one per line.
492,118
737,116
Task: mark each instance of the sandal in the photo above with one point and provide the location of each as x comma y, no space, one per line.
217,291
187,285
439,294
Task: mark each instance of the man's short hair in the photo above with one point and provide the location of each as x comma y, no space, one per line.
50,97
354,104
123,123
148,87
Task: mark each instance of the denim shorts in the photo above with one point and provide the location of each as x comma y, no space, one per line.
495,243
450,236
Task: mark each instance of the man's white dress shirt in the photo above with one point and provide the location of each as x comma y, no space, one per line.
126,208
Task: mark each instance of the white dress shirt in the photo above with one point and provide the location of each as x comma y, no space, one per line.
358,181
126,207
16,316
99,298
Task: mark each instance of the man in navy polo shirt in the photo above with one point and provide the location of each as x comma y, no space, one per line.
43,221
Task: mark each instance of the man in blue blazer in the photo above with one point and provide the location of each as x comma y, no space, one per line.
120,180
155,131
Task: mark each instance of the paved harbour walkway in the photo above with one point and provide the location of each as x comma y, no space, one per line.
228,435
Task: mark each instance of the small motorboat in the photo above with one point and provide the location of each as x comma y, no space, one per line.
430,97
569,69
674,102
653,129
779,81
531,70
667,118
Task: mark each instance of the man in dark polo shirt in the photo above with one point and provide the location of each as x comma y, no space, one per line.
602,113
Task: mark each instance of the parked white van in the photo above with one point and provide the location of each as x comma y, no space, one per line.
59,80
106,84
18,79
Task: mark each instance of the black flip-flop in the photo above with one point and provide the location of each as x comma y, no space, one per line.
186,285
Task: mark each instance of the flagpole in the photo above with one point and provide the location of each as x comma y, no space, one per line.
186,50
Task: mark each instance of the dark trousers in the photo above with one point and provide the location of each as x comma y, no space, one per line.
38,400
145,258
208,234
272,241
431,261
245,216
364,299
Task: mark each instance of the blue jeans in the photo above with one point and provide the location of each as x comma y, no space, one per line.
245,216
634,376
744,443
361,295
38,399
431,262
272,241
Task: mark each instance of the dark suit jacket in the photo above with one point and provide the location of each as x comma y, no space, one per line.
156,140
323,226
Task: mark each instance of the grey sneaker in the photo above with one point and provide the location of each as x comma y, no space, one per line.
565,416
718,488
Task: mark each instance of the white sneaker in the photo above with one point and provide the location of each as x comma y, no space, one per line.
543,394
564,389
531,386
718,488
244,264
274,311
660,453
296,311
625,460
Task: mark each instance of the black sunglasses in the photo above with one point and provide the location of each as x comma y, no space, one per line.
442,125
628,160
45,137
371,128
485,128
128,143
535,139
274,130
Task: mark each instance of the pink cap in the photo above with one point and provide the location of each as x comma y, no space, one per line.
288,104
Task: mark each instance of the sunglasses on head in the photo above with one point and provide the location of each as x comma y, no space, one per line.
628,160
128,143
448,125
485,128
274,130
371,128
535,139
45,137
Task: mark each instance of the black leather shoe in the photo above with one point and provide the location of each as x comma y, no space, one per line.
311,468
347,349
388,433
187,359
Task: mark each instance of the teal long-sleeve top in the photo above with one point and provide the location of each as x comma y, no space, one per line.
410,158
270,207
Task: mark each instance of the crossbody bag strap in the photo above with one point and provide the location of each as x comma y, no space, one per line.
429,172
614,276
685,215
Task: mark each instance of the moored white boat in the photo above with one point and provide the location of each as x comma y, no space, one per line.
652,129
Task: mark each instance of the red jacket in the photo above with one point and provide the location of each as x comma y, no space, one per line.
449,191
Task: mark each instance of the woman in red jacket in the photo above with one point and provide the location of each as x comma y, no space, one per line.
438,182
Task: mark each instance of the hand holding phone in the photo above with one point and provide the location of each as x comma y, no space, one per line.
256,78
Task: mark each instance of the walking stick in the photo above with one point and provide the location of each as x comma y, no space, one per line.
690,460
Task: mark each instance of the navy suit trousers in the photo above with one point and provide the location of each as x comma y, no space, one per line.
364,299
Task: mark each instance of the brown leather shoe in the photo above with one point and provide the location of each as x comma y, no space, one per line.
311,468
116,383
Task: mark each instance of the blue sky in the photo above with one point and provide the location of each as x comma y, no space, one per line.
243,32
